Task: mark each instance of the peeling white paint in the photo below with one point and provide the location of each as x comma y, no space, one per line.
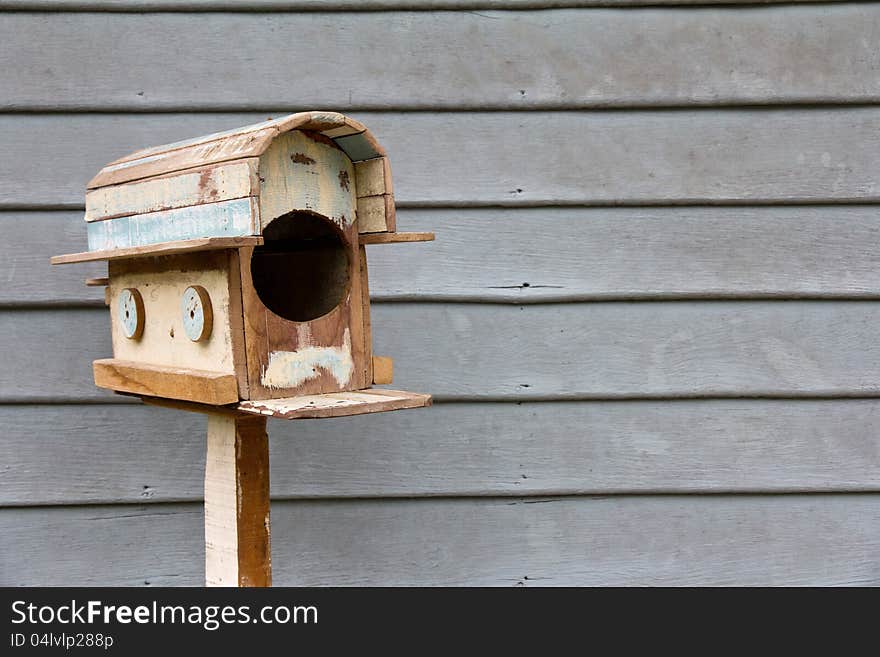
288,369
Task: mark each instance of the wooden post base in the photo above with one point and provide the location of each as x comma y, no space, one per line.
237,545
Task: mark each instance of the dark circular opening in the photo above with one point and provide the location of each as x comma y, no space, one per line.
301,272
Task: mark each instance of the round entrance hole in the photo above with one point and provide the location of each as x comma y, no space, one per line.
302,270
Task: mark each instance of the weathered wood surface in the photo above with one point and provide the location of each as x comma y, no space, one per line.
224,219
237,534
201,386
175,247
32,238
552,59
488,468
210,184
383,370
164,342
738,156
349,5
568,351
396,238
247,141
524,255
336,404
635,540
98,454
298,172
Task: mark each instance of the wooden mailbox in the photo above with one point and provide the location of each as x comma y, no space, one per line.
237,286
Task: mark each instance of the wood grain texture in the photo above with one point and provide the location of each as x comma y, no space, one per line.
162,282
373,213
349,5
287,358
636,157
534,255
363,278
336,404
224,219
251,140
301,171
552,59
574,254
383,370
237,533
565,351
396,238
97,282
218,182
32,239
176,247
137,378
634,540
103,454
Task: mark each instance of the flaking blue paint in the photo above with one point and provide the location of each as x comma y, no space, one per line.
223,219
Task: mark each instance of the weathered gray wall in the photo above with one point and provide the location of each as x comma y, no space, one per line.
649,319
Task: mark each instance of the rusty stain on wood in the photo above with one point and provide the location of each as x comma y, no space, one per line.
301,158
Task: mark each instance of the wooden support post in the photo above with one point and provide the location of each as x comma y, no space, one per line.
237,546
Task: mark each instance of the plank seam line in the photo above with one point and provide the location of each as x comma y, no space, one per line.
770,105
592,301
545,204
184,7
664,397
510,500
557,299
110,404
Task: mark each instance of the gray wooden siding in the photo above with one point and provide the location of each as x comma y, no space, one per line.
551,59
633,157
649,317
346,5
544,541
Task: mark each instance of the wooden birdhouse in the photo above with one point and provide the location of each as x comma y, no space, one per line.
237,273
237,268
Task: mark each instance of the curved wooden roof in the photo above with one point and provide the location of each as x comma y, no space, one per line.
128,229
248,141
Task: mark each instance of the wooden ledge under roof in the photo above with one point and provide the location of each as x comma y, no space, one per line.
160,249
211,244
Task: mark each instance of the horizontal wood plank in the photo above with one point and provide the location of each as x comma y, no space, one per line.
336,404
61,455
210,184
159,249
163,381
32,239
222,219
349,5
396,238
573,254
635,157
555,59
629,540
552,351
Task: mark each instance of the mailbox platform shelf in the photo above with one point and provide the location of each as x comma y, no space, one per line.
333,404
336,404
